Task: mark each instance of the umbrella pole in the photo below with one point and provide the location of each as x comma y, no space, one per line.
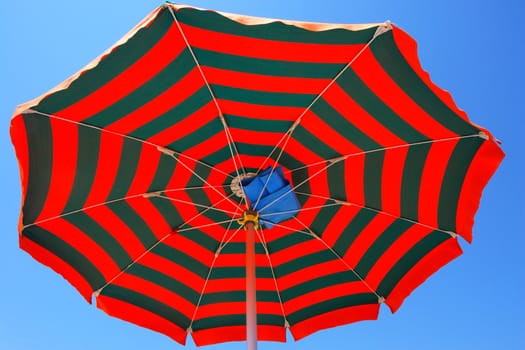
251,312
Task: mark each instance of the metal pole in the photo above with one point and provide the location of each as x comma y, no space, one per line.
251,308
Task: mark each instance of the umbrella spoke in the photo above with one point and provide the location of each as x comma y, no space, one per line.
341,202
330,162
288,134
340,258
231,143
146,142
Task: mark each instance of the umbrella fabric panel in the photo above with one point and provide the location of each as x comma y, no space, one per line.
127,167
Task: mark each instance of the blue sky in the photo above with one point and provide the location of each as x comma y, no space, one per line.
473,49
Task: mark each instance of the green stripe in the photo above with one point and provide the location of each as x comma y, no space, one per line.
304,262
312,285
167,282
147,303
118,61
182,259
337,184
373,178
127,169
314,144
457,168
276,31
263,98
393,62
133,220
287,241
267,67
358,91
380,246
150,90
234,296
163,173
331,305
168,211
411,180
235,320
354,228
199,136
101,237
341,125
70,255
254,124
40,154
189,106
225,273
412,257
86,168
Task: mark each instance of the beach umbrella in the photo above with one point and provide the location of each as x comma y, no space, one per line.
230,177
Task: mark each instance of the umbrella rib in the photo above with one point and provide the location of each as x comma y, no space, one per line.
222,244
194,204
231,144
346,156
160,148
341,202
330,162
382,28
340,258
99,290
260,234
145,195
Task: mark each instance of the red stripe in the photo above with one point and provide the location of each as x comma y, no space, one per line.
45,257
394,253
237,284
84,244
256,111
355,179
18,135
237,333
65,152
107,167
269,49
144,318
186,126
156,59
481,169
114,225
154,291
374,76
338,224
359,117
235,308
324,294
167,100
173,270
408,47
431,181
301,153
145,209
297,251
310,273
332,138
428,265
190,248
259,82
334,319
146,170
392,179
367,237
262,138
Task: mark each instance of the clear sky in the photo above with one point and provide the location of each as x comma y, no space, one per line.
474,49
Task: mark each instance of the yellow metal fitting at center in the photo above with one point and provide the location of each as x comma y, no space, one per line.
249,216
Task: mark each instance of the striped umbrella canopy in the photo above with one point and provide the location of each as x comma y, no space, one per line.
145,174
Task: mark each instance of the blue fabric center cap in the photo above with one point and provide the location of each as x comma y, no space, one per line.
271,195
